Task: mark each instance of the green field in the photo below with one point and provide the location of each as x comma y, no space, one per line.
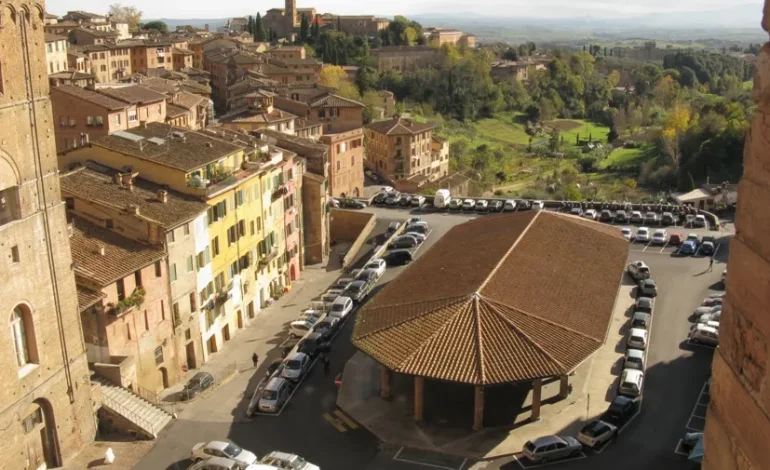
624,158
501,129
571,128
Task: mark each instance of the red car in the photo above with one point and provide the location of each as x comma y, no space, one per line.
675,239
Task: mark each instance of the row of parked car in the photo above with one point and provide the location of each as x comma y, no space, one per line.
687,246
705,327
600,431
226,455
311,334
635,217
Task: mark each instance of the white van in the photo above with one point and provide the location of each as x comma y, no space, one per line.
442,199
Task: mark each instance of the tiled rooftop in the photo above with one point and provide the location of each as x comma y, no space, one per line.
122,256
330,100
134,94
94,97
399,126
94,182
88,297
509,298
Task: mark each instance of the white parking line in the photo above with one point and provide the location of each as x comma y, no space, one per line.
555,462
288,399
716,250
664,247
423,464
649,243
678,451
694,408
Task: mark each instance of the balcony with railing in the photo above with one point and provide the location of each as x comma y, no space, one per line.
269,257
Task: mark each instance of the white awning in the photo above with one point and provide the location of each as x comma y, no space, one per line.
694,195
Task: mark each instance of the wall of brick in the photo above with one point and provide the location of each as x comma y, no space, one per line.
738,419
41,277
346,163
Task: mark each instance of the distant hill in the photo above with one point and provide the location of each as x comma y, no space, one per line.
172,23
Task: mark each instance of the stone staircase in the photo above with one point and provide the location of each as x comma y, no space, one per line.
149,418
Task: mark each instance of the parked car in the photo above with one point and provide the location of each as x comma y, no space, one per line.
342,283
688,248
648,288
393,227
274,366
699,221
620,410
418,227
710,309
621,217
393,199
405,200
651,218
634,359
667,218
693,237
675,239
398,257
538,205
638,270
707,248
414,232
455,204
643,304
404,241
469,204
387,189
590,214
709,317
219,463
482,205
660,237
717,295
442,199
341,307
205,450
509,206
284,460
314,344
300,328
351,204
605,216
358,290
711,301
367,275
576,211
328,325
417,201
711,324
549,448
495,206
295,366
380,199
596,433
524,205
274,395
690,440
641,320
637,338
378,264
642,235
197,384
709,238
631,381
637,217
311,315
626,232
704,334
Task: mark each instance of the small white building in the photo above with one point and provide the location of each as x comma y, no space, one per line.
710,195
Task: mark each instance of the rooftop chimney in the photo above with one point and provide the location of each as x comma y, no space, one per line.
162,195
101,250
133,209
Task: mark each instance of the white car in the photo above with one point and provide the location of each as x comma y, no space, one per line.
699,221
420,237
643,234
468,204
205,450
509,205
596,433
634,359
288,461
341,307
538,205
590,214
631,381
310,315
712,309
711,324
295,366
386,189
660,237
300,328
709,317
482,205
702,333
417,201
378,264
626,232
637,338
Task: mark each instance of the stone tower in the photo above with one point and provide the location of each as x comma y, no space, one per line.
738,418
46,412
291,16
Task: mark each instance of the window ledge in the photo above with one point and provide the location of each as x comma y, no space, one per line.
26,369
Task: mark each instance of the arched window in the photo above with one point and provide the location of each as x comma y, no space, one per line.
23,336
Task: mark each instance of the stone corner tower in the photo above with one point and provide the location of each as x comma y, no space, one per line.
46,412
291,15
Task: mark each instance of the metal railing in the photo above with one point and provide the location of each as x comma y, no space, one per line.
131,415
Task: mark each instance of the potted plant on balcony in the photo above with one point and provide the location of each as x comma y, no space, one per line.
136,299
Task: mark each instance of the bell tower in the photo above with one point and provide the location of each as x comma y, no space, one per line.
291,15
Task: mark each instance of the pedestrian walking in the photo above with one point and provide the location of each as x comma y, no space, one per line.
711,263
255,359
325,360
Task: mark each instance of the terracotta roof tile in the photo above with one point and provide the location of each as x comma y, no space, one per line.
399,126
121,258
173,111
522,296
93,97
134,94
330,100
88,297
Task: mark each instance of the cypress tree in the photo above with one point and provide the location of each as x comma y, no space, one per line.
259,32
304,27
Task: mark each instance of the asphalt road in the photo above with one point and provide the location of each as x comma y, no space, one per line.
311,425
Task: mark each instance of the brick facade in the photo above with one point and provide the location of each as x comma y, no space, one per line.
45,405
346,163
737,423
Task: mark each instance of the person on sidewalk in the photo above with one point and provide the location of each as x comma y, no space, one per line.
325,360
711,263
255,359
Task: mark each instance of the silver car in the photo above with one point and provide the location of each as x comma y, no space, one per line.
289,461
295,366
634,359
274,395
548,448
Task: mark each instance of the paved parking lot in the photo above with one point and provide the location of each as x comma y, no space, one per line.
312,426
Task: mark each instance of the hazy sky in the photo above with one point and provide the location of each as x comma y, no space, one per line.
525,8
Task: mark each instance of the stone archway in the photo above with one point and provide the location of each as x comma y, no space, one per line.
39,428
